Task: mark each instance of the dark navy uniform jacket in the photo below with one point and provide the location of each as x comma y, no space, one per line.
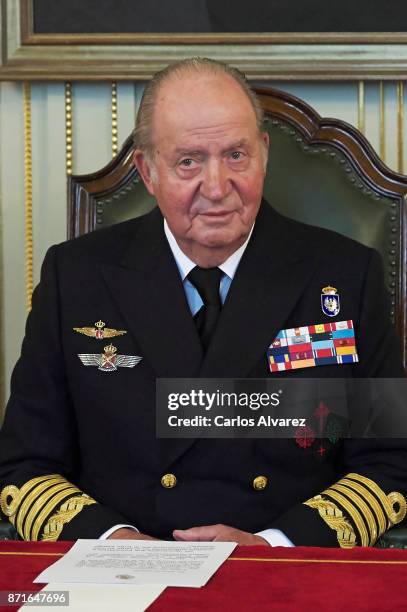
97,429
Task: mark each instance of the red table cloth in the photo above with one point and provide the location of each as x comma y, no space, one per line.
262,578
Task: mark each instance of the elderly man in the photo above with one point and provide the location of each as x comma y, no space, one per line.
200,287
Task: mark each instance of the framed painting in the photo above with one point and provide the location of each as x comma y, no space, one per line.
267,39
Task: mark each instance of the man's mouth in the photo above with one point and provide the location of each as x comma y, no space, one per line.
218,214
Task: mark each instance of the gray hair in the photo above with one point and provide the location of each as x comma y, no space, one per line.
143,130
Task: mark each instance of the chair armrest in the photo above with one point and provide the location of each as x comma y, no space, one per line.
7,531
394,538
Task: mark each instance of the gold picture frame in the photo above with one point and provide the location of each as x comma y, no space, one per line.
26,55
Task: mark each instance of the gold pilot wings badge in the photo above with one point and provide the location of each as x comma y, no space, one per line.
100,332
109,360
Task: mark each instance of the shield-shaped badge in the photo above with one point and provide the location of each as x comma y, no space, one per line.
330,301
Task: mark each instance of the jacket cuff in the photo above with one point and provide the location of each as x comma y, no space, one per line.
304,527
91,523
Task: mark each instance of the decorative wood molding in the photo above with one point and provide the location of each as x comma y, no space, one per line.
28,197
68,128
26,55
115,140
83,190
342,135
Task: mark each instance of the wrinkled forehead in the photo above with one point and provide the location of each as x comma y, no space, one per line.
190,101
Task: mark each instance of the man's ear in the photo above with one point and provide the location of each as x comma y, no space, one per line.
265,143
266,140
144,167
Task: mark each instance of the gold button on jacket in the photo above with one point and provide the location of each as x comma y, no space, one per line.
259,483
169,481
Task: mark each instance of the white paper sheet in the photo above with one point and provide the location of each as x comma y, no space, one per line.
104,597
139,562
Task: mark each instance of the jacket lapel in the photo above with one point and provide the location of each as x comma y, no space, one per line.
271,277
148,291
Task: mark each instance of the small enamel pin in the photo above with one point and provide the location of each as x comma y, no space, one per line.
100,332
330,301
109,361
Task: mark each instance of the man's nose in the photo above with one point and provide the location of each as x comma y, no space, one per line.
216,181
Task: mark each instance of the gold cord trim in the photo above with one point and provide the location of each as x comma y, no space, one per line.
41,500
33,554
65,514
334,518
31,506
372,501
397,498
400,126
352,512
364,503
28,195
255,559
382,138
115,145
68,128
9,508
49,507
29,499
388,501
361,106
297,560
364,510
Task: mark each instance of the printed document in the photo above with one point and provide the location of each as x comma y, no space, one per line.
186,564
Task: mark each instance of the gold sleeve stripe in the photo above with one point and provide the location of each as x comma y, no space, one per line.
65,514
388,501
31,506
334,518
49,509
364,510
36,507
11,496
352,513
372,501
30,498
364,504
380,498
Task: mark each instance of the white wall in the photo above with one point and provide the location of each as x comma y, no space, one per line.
91,150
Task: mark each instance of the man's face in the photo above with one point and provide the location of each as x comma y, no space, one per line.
208,164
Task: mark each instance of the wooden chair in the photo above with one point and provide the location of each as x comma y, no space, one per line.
321,171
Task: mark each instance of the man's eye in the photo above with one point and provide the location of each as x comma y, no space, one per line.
187,163
236,155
